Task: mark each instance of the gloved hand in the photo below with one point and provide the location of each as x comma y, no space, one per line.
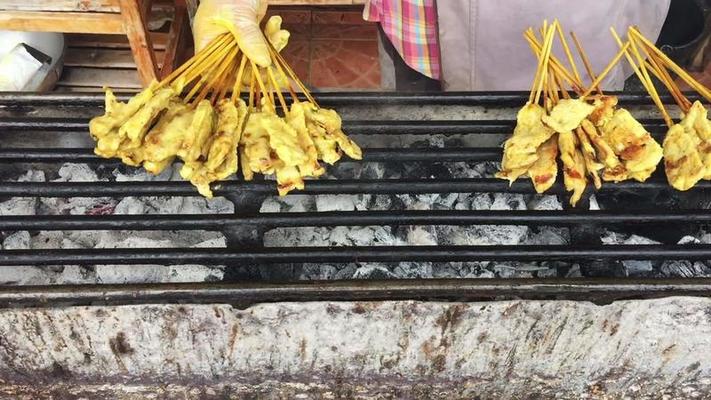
239,17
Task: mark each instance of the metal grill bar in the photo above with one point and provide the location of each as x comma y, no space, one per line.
495,99
379,186
446,127
601,290
277,255
358,218
429,154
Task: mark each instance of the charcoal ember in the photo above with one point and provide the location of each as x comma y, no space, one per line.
511,270
373,271
270,205
71,172
684,269
23,205
318,272
130,205
545,203
341,202
413,270
631,267
547,235
346,272
445,201
371,171
17,241
422,236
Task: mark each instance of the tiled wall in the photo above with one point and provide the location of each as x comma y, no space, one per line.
332,48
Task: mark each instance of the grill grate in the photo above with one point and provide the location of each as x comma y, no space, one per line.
19,114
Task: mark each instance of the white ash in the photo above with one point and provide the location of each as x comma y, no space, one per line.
309,236
110,239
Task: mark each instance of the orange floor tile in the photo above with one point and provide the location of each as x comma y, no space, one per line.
332,49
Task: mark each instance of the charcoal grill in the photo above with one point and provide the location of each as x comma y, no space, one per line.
66,116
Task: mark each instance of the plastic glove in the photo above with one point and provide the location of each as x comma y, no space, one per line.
239,17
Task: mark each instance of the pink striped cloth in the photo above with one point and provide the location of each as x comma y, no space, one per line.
411,26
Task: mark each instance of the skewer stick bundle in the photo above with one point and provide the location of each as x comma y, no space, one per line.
190,116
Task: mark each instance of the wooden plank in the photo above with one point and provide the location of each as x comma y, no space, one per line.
78,22
145,9
98,77
137,32
159,40
61,5
102,58
177,36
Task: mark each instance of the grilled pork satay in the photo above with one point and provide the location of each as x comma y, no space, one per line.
297,119
164,140
613,170
573,166
162,124
544,171
592,166
104,128
221,160
635,147
520,150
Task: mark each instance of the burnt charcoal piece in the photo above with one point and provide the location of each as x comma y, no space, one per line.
667,199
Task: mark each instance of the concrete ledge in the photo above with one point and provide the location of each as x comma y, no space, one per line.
509,349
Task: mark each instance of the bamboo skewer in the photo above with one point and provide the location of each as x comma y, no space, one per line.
292,74
643,76
660,71
607,69
568,54
555,62
237,87
260,84
586,61
196,59
282,101
702,90
207,62
545,55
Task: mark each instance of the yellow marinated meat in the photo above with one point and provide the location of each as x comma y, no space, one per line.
326,145
222,156
255,141
573,166
635,147
568,114
696,120
199,132
221,161
604,109
297,120
331,122
164,140
682,161
520,149
284,140
591,164
613,170
136,127
288,179
544,171
104,128
245,164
